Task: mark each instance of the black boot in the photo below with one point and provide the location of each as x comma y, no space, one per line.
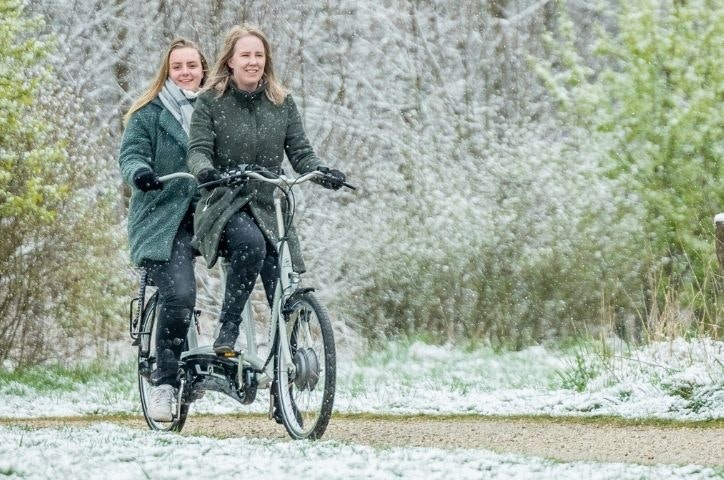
166,368
227,337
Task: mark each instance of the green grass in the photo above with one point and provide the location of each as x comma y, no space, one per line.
357,385
63,378
579,373
589,358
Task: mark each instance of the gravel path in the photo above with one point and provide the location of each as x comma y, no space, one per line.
561,439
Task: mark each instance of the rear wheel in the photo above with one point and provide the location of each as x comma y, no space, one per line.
146,365
305,391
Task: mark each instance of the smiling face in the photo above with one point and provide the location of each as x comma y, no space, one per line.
185,68
247,62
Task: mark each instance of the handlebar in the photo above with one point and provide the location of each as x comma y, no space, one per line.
264,176
278,180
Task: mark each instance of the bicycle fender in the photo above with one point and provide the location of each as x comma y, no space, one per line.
297,293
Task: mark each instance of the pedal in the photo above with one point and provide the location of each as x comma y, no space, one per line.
232,354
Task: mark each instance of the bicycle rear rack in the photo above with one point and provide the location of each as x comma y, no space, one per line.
134,317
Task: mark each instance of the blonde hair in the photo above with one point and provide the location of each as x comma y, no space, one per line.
162,75
221,73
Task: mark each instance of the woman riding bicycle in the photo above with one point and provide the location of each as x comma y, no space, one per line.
160,217
245,117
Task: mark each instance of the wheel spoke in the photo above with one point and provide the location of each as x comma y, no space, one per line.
306,400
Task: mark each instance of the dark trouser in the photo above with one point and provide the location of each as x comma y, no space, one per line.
247,254
176,285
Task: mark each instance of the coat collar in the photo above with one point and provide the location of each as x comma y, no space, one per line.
169,124
244,96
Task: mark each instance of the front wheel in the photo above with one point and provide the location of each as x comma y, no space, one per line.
305,389
146,364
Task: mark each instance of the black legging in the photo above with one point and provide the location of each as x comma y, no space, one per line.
247,252
176,299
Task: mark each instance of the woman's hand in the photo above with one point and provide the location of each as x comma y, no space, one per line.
146,180
333,180
208,175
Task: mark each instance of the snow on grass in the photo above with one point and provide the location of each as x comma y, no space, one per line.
114,453
679,380
675,380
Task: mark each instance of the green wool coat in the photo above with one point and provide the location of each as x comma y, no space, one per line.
245,128
155,139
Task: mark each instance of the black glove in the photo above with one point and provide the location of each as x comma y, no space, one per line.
208,175
334,179
146,180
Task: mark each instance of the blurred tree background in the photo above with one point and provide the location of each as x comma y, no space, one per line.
655,100
60,289
530,170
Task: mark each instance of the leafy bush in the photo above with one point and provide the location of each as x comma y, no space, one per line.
58,249
652,87
513,253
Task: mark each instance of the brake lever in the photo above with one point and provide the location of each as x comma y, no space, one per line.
333,178
233,178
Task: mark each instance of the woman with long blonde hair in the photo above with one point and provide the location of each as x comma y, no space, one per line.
160,216
163,74
222,72
245,117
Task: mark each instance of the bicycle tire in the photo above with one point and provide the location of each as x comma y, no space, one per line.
145,366
305,399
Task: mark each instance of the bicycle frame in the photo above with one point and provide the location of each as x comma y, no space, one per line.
287,284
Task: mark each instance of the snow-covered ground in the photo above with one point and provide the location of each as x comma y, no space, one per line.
680,380
112,453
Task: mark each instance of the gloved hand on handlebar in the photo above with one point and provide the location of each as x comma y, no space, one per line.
208,175
334,179
146,180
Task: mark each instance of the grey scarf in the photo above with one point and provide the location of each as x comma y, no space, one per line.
179,102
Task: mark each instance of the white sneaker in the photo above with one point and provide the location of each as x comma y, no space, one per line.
160,405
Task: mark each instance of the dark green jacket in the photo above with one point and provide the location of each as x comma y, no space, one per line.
245,128
154,139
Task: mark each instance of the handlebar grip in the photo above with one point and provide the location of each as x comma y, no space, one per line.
171,176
